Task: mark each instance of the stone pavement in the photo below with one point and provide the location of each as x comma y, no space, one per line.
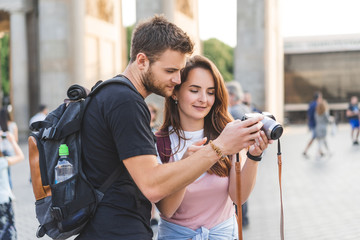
321,195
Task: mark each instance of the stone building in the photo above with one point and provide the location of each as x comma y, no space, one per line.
330,64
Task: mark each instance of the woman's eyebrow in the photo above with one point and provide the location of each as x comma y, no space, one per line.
197,86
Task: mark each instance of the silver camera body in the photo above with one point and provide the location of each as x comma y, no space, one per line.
271,127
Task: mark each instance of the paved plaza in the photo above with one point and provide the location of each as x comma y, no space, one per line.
321,195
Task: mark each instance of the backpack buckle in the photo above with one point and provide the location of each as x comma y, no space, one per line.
48,133
57,213
40,231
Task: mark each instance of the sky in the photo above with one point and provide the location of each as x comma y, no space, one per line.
298,18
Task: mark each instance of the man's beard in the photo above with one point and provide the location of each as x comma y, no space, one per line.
148,80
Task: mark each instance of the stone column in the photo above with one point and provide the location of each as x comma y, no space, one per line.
19,64
258,54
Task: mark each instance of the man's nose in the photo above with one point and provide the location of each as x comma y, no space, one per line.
177,78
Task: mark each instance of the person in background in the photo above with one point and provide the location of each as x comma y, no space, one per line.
247,100
238,109
311,120
195,115
154,115
8,125
154,127
322,119
353,114
40,115
7,221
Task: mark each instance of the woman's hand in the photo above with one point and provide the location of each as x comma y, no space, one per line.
260,144
10,137
194,147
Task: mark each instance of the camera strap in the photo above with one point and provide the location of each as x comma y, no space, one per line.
238,194
281,200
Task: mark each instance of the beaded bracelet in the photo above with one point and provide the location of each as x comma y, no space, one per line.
217,150
254,158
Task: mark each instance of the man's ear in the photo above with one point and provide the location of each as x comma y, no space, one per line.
142,61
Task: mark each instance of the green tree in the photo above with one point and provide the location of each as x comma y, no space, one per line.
222,55
4,63
129,31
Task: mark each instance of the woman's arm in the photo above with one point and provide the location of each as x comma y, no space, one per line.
16,132
19,155
248,170
168,205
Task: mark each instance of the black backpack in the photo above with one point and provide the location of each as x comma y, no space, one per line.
59,217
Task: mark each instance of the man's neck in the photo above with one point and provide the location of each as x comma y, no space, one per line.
135,78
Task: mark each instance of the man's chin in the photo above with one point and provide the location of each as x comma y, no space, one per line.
164,93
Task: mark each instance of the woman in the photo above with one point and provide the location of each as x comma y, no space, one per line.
7,125
322,119
194,115
7,225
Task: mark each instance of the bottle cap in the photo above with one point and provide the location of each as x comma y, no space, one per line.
63,150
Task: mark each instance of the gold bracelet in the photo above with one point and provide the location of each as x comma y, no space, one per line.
217,150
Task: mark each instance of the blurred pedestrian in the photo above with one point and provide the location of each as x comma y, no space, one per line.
154,115
322,118
311,120
155,217
247,100
40,115
352,113
8,125
238,109
195,114
7,223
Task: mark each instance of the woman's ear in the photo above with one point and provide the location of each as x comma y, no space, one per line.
174,97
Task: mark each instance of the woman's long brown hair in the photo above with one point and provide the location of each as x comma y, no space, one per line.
214,122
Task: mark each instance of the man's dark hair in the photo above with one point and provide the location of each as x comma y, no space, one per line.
42,107
155,36
317,94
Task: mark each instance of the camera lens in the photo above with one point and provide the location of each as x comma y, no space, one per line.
276,132
272,129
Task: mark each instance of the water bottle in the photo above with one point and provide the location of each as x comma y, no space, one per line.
65,170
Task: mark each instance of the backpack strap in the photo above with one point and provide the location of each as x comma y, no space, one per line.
110,180
117,79
163,145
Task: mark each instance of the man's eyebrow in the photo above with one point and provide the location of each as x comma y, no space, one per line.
172,68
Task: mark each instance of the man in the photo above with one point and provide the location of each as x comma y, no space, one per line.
311,120
353,114
40,115
116,131
237,108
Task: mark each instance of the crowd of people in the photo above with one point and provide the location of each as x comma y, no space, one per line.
319,118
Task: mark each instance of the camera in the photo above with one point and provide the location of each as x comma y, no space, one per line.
271,127
3,135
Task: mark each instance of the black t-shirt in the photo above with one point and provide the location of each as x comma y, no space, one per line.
116,126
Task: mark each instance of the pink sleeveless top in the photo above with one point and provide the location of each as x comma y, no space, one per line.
206,203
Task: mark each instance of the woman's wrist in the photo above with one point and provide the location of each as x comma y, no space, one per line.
256,158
